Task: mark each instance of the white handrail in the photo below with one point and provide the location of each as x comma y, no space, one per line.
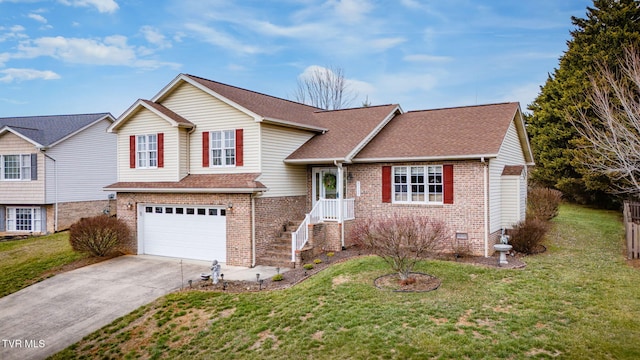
323,210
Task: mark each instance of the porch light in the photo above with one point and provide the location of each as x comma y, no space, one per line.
229,207
129,205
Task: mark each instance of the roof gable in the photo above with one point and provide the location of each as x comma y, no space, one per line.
450,133
260,106
349,130
161,111
47,131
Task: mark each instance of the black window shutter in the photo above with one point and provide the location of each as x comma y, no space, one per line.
34,166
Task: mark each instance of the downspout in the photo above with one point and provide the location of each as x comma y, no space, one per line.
253,230
486,206
191,131
55,193
340,185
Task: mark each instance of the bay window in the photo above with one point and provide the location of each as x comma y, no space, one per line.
24,219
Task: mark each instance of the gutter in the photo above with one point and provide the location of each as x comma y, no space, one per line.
253,230
486,205
341,194
55,180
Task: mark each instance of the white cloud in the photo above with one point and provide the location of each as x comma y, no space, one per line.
351,11
112,50
384,44
103,6
13,32
427,58
37,17
155,37
13,74
358,88
223,40
524,93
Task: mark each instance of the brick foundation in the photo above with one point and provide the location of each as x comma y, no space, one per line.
272,214
239,249
465,215
71,212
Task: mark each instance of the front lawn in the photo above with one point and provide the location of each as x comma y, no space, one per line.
578,300
27,261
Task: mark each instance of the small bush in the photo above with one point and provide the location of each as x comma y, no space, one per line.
527,235
99,235
317,261
330,254
307,266
543,203
277,277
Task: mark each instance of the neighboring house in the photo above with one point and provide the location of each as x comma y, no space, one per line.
211,171
53,170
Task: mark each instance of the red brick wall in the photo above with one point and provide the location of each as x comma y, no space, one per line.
464,215
238,219
272,213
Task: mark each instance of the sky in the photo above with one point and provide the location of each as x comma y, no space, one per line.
90,56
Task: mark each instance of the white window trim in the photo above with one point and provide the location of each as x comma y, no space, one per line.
36,219
408,184
223,148
25,163
146,151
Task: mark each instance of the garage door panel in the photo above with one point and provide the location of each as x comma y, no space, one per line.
193,232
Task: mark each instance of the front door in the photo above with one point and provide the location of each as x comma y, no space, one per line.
325,184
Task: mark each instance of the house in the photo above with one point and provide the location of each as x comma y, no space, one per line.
53,170
212,171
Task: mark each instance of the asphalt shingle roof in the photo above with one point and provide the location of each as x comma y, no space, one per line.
47,130
264,105
451,132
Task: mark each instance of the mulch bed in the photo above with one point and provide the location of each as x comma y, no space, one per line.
424,282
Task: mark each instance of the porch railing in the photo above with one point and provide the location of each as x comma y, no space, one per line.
324,210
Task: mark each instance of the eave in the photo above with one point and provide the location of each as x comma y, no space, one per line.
186,190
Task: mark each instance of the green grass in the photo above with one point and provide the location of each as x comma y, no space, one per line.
578,300
24,262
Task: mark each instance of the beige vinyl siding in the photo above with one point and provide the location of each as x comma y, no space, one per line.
511,201
142,123
510,154
23,191
183,154
280,178
211,114
85,164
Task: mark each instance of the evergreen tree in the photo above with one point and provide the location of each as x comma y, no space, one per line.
600,38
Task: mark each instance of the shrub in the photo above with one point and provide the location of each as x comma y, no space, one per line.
99,235
527,235
543,203
317,261
307,266
330,254
401,240
277,277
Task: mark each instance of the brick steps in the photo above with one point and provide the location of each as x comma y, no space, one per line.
279,252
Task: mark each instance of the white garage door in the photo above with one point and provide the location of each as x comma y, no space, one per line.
184,231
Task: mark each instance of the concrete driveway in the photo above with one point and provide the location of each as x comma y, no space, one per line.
46,317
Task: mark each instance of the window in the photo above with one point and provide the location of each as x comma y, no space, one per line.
223,148
417,184
24,219
147,151
15,167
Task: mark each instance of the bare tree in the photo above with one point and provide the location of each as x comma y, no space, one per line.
325,88
611,138
401,241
